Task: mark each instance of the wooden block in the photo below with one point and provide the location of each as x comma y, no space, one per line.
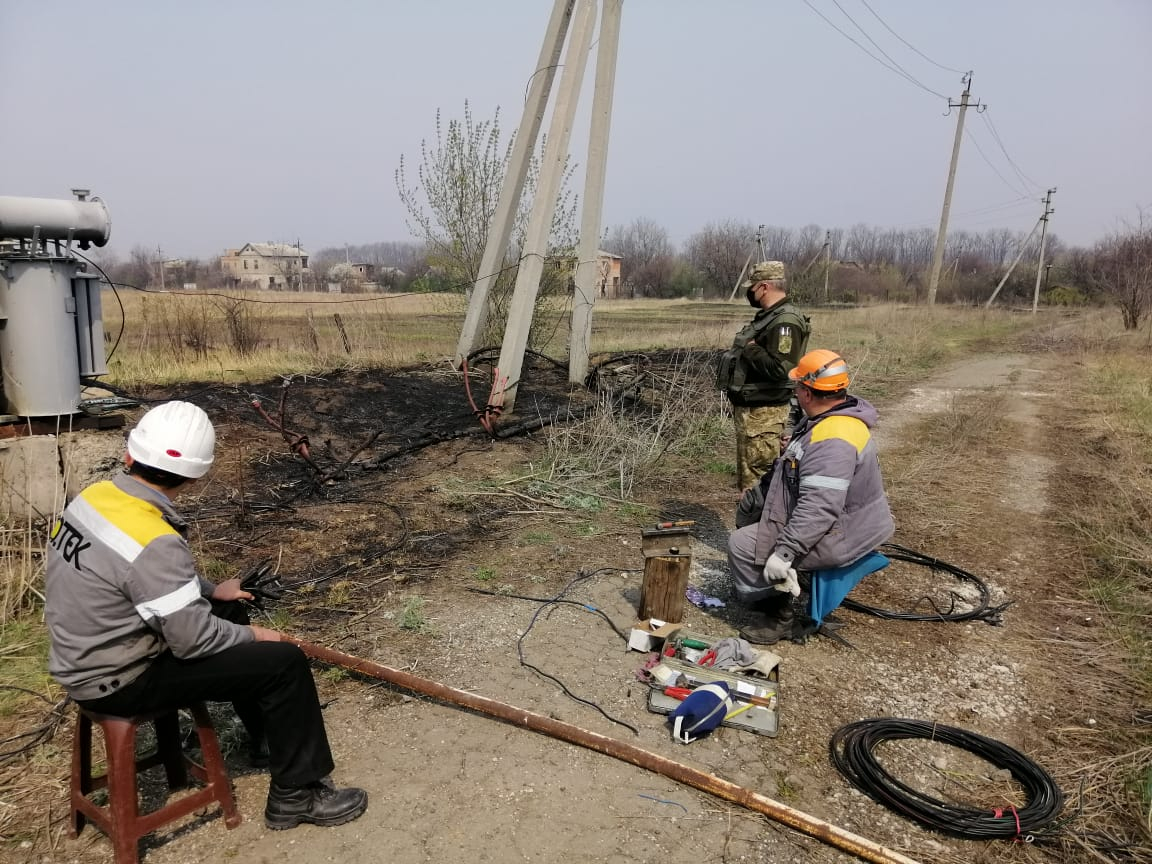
662,592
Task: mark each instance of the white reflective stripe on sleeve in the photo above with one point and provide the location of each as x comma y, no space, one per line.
99,527
820,481
164,606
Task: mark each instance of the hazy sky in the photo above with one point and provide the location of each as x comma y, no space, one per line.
209,124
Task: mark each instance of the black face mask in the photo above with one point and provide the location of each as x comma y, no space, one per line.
751,295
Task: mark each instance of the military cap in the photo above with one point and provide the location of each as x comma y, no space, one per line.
765,271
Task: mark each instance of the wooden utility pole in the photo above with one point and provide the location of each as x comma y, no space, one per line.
587,259
1048,211
503,220
540,219
941,235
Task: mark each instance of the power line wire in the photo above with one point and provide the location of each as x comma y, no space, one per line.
894,69
876,45
984,156
909,44
1024,178
980,211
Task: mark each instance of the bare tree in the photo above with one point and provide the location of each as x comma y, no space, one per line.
1121,267
648,257
718,251
451,204
457,189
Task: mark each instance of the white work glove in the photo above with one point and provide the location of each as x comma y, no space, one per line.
781,575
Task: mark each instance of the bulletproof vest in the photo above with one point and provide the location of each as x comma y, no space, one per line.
740,383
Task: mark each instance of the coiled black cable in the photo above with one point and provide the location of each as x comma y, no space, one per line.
852,751
981,611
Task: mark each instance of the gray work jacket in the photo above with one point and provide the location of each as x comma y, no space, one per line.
826,506
121,587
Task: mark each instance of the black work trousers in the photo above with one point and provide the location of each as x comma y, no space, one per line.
273,676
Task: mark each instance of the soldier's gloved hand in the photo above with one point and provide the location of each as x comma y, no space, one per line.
781,575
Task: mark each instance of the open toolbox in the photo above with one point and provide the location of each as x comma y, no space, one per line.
755,698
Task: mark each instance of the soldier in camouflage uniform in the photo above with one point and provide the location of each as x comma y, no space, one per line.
754,371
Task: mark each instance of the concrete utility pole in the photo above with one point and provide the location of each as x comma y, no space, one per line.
1015,261
160,264
938,253
503,220
758,248
1048,211
827,261
587,263
540,219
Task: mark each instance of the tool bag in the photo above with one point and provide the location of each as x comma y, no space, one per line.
701,712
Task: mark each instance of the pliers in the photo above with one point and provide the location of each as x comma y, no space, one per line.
262,583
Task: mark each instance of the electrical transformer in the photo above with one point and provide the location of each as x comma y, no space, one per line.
51,325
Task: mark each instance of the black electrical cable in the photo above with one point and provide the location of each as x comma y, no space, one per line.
852,750
980,611
40,733
585,606
116,294
547,603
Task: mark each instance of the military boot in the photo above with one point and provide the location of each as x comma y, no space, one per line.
319,803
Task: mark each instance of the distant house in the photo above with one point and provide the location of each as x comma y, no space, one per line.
607,273
275,266
354,277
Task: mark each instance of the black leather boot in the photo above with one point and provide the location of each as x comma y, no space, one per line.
319,803
768,628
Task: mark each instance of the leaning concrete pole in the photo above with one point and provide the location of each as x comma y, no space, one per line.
587,267
1015,261
540,219
1048,211
503,220
938,252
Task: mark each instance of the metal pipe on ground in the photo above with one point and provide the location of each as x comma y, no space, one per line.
796,819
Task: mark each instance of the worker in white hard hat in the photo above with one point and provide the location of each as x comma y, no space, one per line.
133,630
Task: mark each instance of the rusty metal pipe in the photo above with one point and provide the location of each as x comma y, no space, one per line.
796,819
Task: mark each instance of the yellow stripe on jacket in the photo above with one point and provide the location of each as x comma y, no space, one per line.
138,519
851,429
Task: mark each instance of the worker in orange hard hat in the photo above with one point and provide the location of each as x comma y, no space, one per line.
753,373
134,629
824,508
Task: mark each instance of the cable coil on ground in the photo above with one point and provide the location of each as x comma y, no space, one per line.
982,611
852,750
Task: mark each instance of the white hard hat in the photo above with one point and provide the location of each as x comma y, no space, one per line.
177,437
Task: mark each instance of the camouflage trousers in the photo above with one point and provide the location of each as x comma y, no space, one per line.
758,431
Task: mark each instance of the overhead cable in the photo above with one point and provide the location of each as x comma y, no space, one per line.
1024,178
996,170
876,45
909,44
895,69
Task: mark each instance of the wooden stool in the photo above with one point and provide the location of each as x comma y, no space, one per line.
121,820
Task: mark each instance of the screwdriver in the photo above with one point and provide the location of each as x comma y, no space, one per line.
682,693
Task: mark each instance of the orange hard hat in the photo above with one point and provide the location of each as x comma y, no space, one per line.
821,370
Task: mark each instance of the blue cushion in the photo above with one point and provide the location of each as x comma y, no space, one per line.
830,587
